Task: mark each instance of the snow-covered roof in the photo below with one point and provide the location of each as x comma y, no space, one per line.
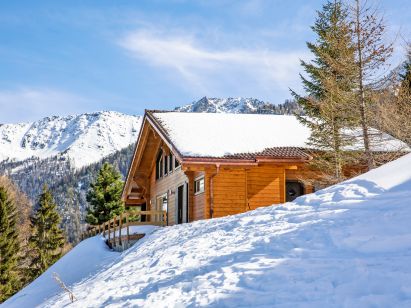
221,135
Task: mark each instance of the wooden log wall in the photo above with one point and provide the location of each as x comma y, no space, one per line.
236,190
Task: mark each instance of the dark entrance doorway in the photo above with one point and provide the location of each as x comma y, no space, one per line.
293,189
180,204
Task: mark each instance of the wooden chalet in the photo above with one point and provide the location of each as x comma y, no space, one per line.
198,166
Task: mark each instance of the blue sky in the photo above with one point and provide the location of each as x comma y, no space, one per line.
65,57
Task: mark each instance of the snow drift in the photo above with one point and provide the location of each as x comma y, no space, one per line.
347,246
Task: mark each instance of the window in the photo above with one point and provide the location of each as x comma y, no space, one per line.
199,186
159,165
170,163
176,163
165,165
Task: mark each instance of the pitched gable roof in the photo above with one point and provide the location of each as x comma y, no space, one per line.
244,136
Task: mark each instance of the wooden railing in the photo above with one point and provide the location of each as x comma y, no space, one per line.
117,229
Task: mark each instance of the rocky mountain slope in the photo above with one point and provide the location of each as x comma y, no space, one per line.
82,139
239,105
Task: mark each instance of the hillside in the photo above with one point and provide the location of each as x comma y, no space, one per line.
65,153
347,245
82,139
69,185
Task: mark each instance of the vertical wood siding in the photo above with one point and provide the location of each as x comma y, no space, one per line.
229,192
239,190
162,186
198,204
265,186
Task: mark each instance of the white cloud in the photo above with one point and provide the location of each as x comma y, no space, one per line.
210,71
28,104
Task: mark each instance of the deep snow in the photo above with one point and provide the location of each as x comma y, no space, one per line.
345,246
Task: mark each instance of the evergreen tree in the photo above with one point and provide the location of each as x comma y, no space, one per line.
104,196
402,118
405,74
47,238
9,247
329,89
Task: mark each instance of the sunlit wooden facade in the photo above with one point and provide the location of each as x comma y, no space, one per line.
194,188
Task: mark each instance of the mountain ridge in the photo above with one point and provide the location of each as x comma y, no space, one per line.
84,138
239,105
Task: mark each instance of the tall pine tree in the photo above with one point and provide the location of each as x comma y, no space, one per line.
47,239
328,86
104,196
9,247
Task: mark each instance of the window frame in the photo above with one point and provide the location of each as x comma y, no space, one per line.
177,164
170,162
165,165
159,165
201,189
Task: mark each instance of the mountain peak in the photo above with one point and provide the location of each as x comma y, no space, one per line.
84,138
238,105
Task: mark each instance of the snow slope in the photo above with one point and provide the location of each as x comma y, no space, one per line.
345,246
84,138
219,134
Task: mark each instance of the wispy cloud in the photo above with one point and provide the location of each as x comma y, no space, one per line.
28,104
209,70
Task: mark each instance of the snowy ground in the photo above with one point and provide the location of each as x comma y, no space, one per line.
345,246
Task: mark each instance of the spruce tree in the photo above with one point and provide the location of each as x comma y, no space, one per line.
104,196
9,247
328,88
47,240
405,74
402,118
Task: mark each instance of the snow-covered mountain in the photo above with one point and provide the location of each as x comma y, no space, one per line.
238,105
87,138
348,245
84,138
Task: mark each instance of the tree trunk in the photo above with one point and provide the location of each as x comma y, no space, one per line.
361,94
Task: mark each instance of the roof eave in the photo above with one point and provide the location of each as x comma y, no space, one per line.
231,161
